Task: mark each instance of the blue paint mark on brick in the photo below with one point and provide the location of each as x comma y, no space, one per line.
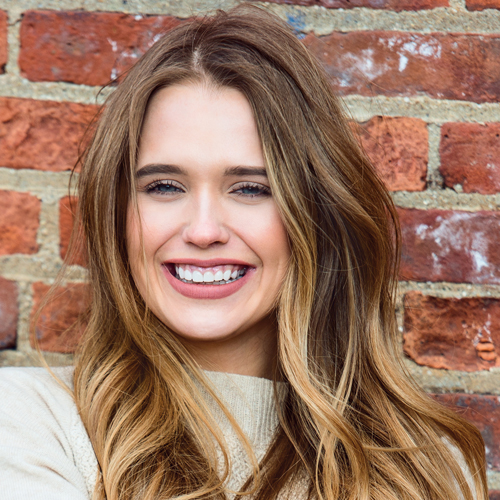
296,21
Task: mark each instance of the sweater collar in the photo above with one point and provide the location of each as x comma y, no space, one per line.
250,400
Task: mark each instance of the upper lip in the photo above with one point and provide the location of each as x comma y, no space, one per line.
208,262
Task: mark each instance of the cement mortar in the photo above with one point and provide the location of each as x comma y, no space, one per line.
45,185
18,358
25,306
449,290
361,108
446,199
434,179
447,381
34,268
48,233
318,19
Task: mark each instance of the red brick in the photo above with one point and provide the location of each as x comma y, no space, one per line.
9,312
19,221
398,148
481,5
3,41
89,48
439,65
470,156
397,5
54,328
67,211
455,334
447,245
484,413
42,135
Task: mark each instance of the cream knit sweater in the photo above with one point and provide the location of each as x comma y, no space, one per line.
45,453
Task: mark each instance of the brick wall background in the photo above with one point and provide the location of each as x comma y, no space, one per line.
422,79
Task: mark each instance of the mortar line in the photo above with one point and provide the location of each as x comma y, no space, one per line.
48,230
25,308
459,5
315,18
13,29
434,178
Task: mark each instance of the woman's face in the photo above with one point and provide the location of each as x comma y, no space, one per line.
215,248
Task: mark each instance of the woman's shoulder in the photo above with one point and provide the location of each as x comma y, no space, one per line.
36,392
43,444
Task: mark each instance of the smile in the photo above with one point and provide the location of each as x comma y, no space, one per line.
216,275
210,280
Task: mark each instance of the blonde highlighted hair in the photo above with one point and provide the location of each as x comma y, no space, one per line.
352,422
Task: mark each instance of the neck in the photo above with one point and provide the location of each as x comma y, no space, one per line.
252,353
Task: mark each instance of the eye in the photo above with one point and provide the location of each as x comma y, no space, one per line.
251,190
163,188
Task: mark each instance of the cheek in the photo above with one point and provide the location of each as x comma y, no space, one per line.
270,240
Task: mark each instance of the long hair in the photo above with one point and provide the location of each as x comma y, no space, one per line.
352,424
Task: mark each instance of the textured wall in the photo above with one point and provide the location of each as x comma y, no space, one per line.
421,77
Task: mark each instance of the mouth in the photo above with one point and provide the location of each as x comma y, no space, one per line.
218,275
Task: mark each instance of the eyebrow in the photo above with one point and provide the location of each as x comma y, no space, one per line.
159,168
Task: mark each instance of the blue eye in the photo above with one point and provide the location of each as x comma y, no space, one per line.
251,190
163,188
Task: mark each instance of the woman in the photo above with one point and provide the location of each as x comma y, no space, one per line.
243,258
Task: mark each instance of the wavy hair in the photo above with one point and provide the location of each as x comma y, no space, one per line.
352,424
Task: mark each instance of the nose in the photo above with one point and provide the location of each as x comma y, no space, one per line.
205,223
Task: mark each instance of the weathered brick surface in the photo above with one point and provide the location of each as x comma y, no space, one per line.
89,48
67,211
9,313
397,5
42,135
398,148
19,222
445,66
455,334
55,328
481,5
484,413
3,41
470,156
448,245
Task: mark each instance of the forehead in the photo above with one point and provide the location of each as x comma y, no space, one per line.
199,123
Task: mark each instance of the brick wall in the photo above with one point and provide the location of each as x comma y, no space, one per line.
422,79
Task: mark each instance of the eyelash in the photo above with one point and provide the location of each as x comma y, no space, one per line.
262,190
151,188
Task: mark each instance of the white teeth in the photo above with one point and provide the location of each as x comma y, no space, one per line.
221,276
208,277
197,277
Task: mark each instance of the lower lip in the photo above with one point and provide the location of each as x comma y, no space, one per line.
195,291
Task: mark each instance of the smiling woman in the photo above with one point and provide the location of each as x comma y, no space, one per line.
241,340
215,247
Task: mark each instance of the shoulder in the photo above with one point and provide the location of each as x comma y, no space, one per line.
42,438
33,393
